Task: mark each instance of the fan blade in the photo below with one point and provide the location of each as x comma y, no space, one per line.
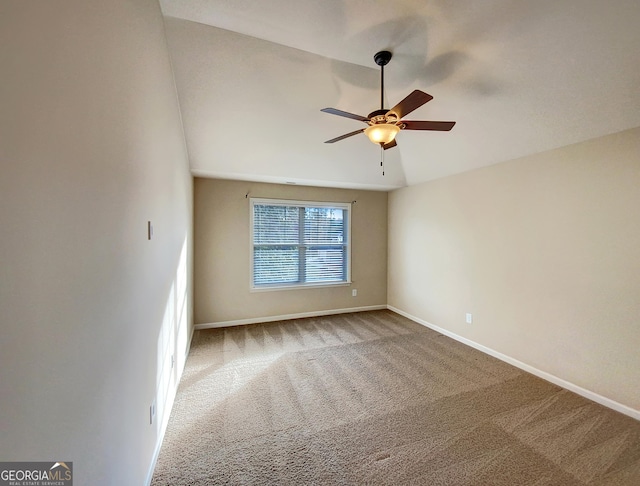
440,126
333,111
389,145
415,100
346,135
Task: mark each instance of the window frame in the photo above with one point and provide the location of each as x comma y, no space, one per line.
346,207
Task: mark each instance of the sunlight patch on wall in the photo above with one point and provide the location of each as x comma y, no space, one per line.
172,341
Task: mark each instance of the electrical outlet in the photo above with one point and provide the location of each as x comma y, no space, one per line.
354,292
469,318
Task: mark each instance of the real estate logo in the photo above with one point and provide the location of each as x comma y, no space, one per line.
36,473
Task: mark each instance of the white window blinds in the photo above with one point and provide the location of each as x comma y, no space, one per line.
299,243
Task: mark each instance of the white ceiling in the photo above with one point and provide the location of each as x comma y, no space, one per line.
518,76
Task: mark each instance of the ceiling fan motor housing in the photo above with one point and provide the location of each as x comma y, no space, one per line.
382,116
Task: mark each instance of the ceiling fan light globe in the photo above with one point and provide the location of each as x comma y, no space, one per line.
382,133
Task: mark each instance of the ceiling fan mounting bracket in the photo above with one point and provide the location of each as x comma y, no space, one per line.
382,58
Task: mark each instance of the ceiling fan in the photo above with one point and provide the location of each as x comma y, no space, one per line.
384,124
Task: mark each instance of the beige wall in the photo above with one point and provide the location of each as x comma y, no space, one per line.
544,251
222,252
91,148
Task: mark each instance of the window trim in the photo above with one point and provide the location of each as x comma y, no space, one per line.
293,202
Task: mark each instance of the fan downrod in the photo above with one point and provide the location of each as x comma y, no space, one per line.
382,58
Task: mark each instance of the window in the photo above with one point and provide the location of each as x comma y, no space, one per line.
299,243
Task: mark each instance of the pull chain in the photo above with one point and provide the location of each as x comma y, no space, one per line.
382,158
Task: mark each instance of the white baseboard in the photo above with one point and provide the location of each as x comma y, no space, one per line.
607,402
285,317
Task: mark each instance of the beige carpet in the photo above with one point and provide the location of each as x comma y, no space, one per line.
374,398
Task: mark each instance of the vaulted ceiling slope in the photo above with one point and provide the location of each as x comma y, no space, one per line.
519,77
